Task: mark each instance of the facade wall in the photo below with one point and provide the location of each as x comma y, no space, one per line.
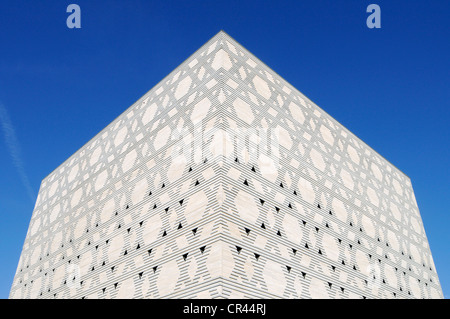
224,181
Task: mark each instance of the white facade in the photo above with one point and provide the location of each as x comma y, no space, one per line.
224,181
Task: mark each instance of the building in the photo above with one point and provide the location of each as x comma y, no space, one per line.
224,181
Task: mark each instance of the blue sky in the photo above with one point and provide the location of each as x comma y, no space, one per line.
61,86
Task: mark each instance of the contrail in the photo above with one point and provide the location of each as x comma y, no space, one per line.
14,150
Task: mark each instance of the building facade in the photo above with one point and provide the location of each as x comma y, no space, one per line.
224,181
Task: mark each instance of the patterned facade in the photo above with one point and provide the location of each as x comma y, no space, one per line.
224,181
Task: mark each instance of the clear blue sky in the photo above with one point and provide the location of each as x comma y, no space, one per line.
61,86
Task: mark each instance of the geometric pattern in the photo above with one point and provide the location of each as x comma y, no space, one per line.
224,181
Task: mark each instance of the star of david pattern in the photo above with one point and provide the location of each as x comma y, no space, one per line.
163,203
